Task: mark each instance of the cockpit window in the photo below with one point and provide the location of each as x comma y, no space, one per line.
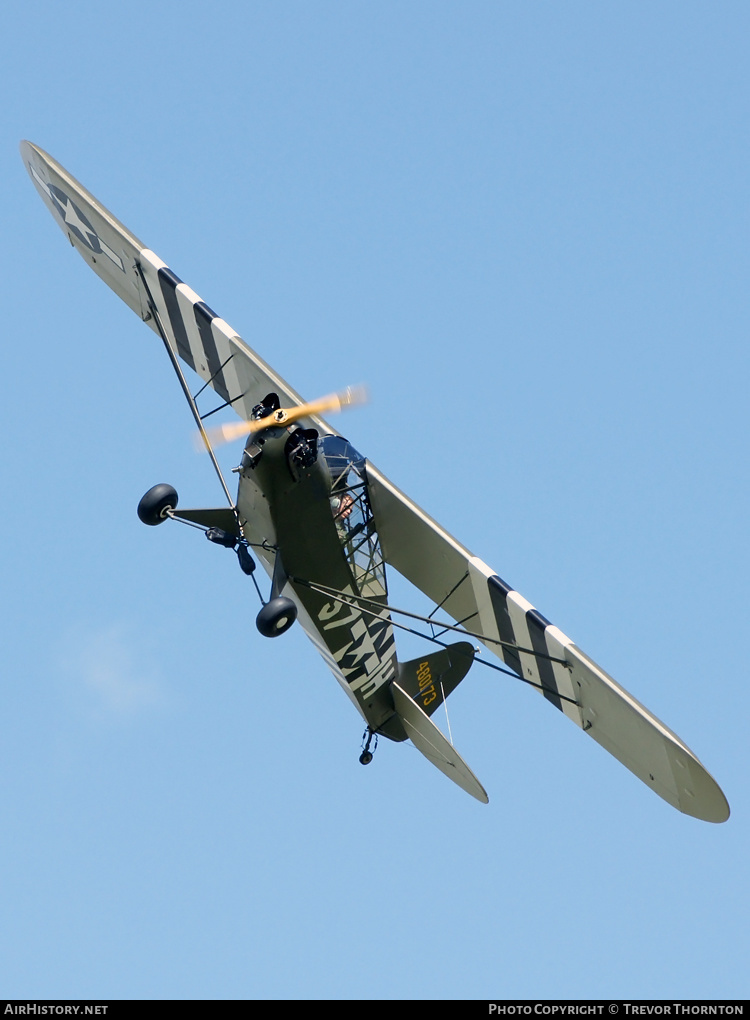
351,511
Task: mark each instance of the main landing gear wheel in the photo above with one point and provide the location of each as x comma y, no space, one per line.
153,507
276,617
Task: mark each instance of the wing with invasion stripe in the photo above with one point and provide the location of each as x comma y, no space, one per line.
201,338
526,642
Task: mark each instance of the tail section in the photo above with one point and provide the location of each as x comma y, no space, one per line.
430,679
428,739
423,684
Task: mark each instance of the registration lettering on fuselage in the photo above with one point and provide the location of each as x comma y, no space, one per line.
366,660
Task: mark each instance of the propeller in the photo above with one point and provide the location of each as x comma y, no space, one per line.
284,416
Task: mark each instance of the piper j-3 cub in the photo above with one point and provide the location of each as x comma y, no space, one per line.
324,523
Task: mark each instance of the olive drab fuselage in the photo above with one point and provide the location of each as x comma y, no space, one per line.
304,498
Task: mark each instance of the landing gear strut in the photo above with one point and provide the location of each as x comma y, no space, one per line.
366,757
280,612
160,502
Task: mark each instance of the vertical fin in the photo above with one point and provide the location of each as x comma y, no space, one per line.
429,679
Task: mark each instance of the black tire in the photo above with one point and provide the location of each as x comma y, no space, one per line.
276,617
152,509
365,758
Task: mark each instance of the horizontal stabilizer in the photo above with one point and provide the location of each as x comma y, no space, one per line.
428,739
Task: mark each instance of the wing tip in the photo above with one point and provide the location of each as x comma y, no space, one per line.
698,793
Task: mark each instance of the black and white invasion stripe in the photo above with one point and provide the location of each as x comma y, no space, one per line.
207,344
508,617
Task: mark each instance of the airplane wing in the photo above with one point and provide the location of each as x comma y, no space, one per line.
509,626
195,333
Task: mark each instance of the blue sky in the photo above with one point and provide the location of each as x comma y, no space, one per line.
525,226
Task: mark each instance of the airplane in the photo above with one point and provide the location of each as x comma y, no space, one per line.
325,523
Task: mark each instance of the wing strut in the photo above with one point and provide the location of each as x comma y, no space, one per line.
360,602
185,388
